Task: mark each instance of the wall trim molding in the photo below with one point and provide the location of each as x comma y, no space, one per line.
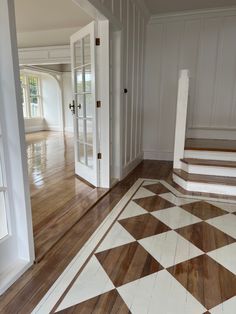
44,55
158,155
214,12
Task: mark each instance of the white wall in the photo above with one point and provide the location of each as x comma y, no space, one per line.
204,43
67,99
132,16
52,103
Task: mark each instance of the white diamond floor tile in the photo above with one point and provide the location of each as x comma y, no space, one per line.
225,223
226,256
227,307
170,248
175,217
231,208
142,192
149,182
92,282
159,293
178,201
116,236
132,210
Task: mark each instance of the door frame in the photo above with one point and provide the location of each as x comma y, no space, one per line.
17,174
19,209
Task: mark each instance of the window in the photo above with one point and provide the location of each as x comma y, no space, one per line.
31,98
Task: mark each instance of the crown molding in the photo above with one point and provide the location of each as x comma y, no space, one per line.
180,15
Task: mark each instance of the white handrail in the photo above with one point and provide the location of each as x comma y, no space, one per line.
181,117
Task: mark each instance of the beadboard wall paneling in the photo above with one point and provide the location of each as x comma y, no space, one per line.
133,18
204,43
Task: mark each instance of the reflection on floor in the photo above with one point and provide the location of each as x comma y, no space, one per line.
58,198
156,252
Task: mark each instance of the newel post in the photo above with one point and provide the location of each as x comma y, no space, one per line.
181,117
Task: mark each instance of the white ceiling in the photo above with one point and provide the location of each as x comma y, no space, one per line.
38,15
166,6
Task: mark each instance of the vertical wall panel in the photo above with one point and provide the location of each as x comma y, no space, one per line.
226,74
205,44
133,33
206,67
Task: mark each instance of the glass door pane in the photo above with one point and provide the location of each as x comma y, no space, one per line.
84,101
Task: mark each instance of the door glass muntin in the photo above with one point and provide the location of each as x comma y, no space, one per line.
84,101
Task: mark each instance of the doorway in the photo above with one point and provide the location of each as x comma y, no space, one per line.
73,207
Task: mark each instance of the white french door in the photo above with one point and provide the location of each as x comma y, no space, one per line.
84,103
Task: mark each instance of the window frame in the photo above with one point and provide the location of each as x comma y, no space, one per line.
27,97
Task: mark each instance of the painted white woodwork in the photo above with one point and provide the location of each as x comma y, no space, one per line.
51,86
205,187
181,117
17,249
203,42
209,170
84,91
67,99
129,17
211,155
44,55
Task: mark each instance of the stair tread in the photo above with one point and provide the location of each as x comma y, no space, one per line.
210,145
209,162
205,178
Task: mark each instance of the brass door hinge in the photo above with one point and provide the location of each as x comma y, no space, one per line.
99,156
97,41
99,104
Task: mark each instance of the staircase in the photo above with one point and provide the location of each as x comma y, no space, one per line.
208,166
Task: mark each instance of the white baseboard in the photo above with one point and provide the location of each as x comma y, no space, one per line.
130,166
33,129
158,155
55,128
212,133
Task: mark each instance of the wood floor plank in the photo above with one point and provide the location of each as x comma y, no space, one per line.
210,145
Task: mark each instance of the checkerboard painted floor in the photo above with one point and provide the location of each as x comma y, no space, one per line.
163,254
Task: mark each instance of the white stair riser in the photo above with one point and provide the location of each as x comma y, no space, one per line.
205,187
202,154
209,170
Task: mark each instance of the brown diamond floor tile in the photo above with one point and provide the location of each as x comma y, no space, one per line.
143,226
206,237
153,203
127,263
157,188
209,282
109,302
204,210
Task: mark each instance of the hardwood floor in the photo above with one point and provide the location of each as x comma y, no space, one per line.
24,295
58,198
